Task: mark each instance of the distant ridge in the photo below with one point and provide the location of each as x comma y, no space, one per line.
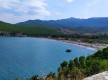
96,22
98,25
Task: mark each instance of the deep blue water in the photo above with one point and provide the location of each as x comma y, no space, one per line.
24,57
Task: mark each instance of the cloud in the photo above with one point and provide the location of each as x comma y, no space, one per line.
70,1
57,13
11,18
28,9
90,8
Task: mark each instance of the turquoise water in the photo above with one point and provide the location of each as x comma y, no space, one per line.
24,57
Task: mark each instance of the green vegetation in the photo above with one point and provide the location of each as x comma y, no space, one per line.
84,38
81,67
75,69
34,30
38,30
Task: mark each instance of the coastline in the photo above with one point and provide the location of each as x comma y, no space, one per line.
72,42
92,46
95,46
76,44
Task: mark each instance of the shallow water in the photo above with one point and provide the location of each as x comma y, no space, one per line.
24,57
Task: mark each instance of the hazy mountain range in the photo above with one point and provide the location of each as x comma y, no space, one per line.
66,26
100,22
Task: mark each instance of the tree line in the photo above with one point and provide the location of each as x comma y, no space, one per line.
80,67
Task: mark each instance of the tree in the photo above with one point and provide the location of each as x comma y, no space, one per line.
82,61
76,62
105,53
35,77
71,64
64,64
76,74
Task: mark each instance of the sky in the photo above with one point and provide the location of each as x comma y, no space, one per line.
15,11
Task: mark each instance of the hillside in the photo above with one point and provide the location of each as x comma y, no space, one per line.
69,26
33,30
75,25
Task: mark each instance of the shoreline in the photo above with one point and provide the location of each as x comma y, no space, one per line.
69,42
92,46
75,43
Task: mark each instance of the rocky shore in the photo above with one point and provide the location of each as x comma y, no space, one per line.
100,76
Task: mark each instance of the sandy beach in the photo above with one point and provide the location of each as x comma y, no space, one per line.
94,46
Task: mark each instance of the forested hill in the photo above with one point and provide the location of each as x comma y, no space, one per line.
31,31
67,26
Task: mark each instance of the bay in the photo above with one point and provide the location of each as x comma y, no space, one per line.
25,57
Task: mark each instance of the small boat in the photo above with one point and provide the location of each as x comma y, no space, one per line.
68,50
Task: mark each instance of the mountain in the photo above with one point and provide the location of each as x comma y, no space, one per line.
100,22
34,30
65,26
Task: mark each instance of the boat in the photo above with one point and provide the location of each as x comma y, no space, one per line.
68,50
